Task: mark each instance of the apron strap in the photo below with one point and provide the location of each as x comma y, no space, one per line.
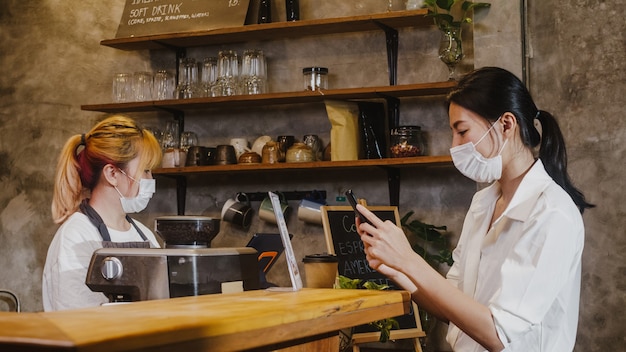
97,221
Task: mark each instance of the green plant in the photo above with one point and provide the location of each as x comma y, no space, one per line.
446,12
383,325
429,239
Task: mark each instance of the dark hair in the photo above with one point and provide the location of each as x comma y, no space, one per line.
492,91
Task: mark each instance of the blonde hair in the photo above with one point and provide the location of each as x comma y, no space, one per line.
115,140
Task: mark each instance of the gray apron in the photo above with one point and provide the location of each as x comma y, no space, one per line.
96,220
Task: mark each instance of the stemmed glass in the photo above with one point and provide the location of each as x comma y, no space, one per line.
450,49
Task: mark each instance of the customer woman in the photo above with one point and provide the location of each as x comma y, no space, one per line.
101,176
515,281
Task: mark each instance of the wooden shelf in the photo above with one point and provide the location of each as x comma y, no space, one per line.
388,22
273,31
422,161
400,91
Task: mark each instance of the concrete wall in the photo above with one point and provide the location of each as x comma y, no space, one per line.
51,63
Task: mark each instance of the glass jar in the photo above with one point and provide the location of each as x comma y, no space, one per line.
315,78
406,141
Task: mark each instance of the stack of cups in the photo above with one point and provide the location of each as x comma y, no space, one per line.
164,85
143,86
188,83
122,88
209,76
171,145
228,74
253,72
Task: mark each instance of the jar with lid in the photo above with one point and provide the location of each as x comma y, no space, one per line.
270,153
406,141
299,153
315,78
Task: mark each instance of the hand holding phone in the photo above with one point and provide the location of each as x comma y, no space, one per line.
353,203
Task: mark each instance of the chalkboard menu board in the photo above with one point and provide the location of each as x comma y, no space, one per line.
343,240
151,17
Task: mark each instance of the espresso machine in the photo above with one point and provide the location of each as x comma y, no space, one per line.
187,266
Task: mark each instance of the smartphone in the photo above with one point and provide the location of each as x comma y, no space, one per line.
353,202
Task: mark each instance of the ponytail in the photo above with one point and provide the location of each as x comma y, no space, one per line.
68,186
492,91
553,154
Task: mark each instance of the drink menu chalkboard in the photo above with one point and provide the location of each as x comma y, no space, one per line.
151,17
343,240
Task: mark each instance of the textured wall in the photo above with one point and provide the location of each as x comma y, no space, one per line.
577,71
51,63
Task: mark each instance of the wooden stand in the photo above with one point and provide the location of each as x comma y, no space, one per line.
413,334
334,219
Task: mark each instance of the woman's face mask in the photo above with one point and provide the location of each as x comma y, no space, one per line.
474,165
138,203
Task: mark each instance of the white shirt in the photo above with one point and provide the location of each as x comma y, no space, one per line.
69,254
526,269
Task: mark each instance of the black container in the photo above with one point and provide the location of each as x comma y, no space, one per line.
293,10
265,11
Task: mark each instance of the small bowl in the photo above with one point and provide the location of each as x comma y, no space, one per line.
249,158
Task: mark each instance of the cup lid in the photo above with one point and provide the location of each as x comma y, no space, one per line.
320,258
315,69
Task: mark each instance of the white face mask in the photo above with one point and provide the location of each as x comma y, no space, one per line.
474,165
136,204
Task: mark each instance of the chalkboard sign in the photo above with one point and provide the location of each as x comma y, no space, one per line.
343,240
151,17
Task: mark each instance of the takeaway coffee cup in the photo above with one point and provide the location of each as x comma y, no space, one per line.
238,211
266,211
320,270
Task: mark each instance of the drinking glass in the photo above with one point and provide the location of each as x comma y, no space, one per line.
142,86
171,136
253,72
188,86
209,75
122,87
163,85
188,139
228,71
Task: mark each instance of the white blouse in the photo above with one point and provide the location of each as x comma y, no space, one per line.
526,269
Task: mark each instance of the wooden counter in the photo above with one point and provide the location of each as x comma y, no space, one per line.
262,320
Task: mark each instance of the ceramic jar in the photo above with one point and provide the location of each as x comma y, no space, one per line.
298,153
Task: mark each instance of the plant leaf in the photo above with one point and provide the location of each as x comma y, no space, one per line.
445,4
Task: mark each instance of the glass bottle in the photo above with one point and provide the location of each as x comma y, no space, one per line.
265,11
293,10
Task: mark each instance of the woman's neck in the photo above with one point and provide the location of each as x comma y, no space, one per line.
514,171
110,209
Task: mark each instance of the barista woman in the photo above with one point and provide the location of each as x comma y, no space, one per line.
515,281
101,176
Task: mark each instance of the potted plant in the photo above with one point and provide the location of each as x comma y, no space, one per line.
432,243
429,241
383,325
449,16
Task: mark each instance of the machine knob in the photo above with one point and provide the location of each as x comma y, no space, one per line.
111,268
